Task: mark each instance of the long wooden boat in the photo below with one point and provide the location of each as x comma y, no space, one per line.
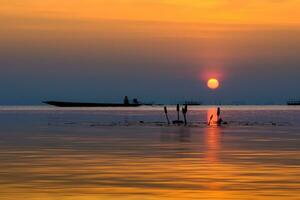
78,104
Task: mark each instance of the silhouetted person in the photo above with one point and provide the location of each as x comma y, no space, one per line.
135,101
219,119
126,101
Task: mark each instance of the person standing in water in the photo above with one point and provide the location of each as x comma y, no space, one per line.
219,119
126,100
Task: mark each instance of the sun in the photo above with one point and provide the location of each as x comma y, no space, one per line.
213,84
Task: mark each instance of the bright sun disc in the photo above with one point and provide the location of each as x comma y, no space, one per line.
213,83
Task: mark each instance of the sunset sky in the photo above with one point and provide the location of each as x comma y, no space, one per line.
156,50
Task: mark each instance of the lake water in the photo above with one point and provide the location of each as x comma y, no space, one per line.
131,153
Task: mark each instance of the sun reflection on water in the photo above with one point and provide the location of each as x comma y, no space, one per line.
212,140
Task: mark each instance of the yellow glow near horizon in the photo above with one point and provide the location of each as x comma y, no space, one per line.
213,83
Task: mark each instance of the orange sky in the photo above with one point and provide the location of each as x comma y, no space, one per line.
208,11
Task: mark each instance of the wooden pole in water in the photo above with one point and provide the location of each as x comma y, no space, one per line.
184,111
219,120
211,117
178,109
166,112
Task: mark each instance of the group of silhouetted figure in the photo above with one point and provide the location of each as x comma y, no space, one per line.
184,110
126,101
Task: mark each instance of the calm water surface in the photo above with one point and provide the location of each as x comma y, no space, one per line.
49,153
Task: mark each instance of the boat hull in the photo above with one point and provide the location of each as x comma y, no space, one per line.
293,103
75,104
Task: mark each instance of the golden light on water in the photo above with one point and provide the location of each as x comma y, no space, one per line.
212,141
212,116
148,163
213,83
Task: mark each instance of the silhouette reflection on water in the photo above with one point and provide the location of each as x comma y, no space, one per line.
179,134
